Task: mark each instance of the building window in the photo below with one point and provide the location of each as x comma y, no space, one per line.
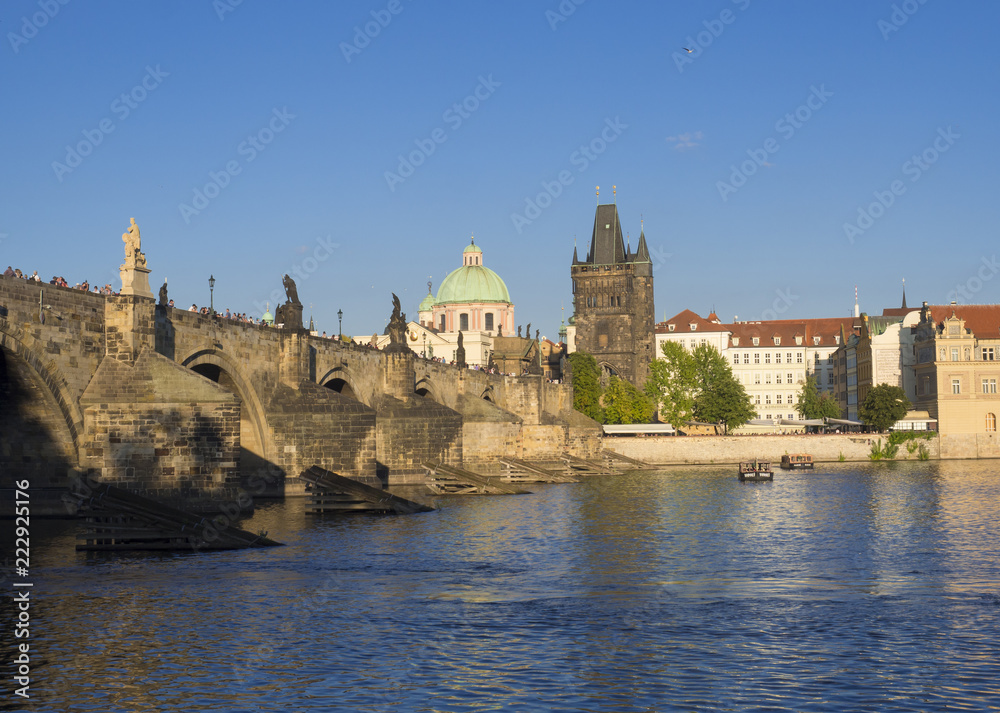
694,327
788,358
991,422
767,357
756,400
670,327
777,358
798,358
988,354
777,400
756,377
956,386
777,378
441,327
954,353
829,378
756,341
777,341
756,357
767,378
989,386
489,321
746,357
767,400
943,353
736,358
463,322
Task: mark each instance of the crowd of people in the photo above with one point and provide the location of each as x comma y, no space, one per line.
59,281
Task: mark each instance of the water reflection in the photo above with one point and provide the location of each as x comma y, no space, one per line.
847,588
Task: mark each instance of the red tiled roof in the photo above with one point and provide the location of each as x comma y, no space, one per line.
682,322
982,320
827,329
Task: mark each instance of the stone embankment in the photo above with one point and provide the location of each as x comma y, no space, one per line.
676,450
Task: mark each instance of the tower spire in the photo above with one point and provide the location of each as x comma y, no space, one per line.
614,192
903,306
597,190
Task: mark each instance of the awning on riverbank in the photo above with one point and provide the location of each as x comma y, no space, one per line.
802,422
843,422
658,429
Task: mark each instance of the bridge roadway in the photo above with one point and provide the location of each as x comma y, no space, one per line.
190,407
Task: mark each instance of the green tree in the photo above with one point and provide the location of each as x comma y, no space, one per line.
720,398
883,406
813,404
623,403
586,385
671,384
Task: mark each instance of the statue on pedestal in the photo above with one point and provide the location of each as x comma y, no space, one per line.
460,352
397,328
134,273
134,257
163,294
289,315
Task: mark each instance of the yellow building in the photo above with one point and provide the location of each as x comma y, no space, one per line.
957,350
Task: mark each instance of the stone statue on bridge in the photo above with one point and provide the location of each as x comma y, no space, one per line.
397,328
290,290
519,330
134,256
289,315
163,294
460,352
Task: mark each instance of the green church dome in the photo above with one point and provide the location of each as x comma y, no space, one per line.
427,304
472,283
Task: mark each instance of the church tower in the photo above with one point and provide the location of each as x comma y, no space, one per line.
613,300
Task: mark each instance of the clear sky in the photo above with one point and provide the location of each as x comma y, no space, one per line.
746,157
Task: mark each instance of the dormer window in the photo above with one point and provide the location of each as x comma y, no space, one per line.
777,341
816,340
670,327
836,339
736,341
756,341
798,340
693,326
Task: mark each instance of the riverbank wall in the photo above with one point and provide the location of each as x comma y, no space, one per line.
676,450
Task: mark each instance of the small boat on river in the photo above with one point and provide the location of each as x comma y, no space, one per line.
756,470
796,460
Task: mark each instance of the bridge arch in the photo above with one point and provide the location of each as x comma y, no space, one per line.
220,368
65,409
425,387
340,379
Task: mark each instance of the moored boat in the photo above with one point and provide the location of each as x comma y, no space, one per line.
756,470
796,460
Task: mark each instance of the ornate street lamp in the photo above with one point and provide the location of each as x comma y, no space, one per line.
340,325
211,294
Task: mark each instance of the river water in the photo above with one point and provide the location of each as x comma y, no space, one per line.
851,588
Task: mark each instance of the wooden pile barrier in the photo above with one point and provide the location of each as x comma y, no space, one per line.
329,492
118,519
582,466
448,480
521,471
621,461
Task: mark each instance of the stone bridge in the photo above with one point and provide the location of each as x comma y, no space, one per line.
192,407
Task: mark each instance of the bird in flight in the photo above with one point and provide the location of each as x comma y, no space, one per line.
687,50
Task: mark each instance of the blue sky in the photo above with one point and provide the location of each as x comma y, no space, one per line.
746,157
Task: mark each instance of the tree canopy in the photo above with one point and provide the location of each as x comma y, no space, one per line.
586,385
813,404
623,403
671,384
883,406
697,384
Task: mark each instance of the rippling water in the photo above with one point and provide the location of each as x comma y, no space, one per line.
851,588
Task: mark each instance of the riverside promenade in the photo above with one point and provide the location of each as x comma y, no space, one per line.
680,450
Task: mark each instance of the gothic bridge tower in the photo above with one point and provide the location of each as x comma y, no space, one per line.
613,300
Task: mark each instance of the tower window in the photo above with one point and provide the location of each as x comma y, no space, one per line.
489,321
463,322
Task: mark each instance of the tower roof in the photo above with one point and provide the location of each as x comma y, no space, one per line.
607,246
